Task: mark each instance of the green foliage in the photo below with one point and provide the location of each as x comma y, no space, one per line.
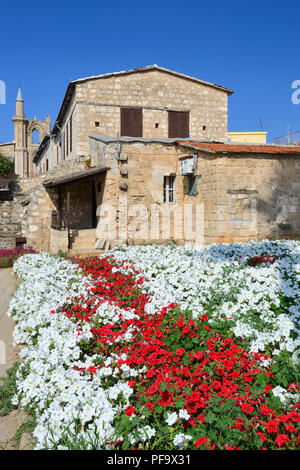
8,389
284,371
26,427
5,165
62,254
5,263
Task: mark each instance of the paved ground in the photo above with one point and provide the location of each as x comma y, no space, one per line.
8,424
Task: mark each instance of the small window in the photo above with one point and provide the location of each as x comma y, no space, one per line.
47,164
169,188
97,123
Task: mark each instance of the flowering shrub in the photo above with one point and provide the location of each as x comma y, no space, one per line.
8,257
258,260
111,362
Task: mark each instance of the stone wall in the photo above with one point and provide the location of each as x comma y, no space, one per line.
7,149
242,196
29,214
95,109
133,190
99,101
9,227
58,240
249,196
260,196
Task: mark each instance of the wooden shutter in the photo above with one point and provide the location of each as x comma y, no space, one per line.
179,124
132,122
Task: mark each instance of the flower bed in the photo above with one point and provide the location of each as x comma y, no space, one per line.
162,347
8,257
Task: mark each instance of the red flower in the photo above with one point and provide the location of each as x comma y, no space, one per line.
201,441
239,424
290,428
201,418
272,426
246,408
130,410
265,410
198,354
293,386
180,352
262,436
281,440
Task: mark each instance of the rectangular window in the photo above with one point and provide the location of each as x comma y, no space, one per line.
71,133
59,153
63,145
179,124
47,164
132,122
169,188
67,139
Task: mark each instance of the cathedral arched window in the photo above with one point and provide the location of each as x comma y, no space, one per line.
35,137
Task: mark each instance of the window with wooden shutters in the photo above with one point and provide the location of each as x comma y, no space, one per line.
179,124
132,122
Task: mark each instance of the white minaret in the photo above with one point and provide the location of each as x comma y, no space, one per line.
21,160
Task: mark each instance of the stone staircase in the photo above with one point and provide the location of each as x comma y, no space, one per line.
83,242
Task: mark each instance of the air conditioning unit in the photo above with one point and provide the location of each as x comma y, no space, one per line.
188,164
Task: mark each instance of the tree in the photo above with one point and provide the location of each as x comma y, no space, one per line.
5,165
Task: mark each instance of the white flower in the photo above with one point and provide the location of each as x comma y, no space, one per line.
183,414
180,440
172,418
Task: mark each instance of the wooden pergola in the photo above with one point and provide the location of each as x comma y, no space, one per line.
67,181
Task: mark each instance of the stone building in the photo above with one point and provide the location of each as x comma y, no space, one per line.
23,148
148,102
143,156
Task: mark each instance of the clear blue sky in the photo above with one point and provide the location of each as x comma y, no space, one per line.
251,47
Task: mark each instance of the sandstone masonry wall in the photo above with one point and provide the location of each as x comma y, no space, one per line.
249,196
99,101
